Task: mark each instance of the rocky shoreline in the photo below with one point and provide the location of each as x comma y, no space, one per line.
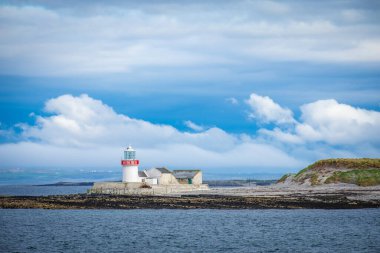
193,201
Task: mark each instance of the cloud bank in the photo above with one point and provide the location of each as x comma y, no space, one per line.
84,132
332,123
66,38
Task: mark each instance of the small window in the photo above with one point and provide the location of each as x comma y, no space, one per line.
130,155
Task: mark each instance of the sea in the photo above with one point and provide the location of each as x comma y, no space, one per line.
35,190
165,230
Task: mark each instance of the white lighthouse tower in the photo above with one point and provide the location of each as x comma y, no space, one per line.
130,166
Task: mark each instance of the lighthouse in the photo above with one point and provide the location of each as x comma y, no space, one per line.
130,166
157,180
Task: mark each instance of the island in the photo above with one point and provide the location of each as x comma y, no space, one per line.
327,184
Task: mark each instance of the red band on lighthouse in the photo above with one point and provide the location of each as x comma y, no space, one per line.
129,162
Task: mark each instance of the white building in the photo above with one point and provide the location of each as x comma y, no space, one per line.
154,181
154,176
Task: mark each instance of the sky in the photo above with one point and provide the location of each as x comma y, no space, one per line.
224,86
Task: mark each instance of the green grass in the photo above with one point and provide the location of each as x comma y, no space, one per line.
357,164
302,171
361,177
283,178
314,179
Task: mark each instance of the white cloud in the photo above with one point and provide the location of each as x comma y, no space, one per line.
85,122
281,135
85,132
352,15
264,109
333,123
193,126
38,40
232,101
271,7
256,157
82,131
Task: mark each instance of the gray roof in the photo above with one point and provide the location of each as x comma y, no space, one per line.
142,174
164,170
182,174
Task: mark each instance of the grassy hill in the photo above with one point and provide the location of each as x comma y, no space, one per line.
362,172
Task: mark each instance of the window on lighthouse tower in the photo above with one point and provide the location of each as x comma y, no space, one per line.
129,155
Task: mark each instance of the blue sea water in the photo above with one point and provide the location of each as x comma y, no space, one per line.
149,230
48,176
33,190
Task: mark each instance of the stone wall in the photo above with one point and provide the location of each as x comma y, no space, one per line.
135,188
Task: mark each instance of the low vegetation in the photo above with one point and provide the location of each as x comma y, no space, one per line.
362,171
361,163
359,177
314,179
283,178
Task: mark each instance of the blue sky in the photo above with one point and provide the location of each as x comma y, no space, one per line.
242,86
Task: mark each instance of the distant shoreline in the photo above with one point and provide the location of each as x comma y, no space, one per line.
219,183
68,184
